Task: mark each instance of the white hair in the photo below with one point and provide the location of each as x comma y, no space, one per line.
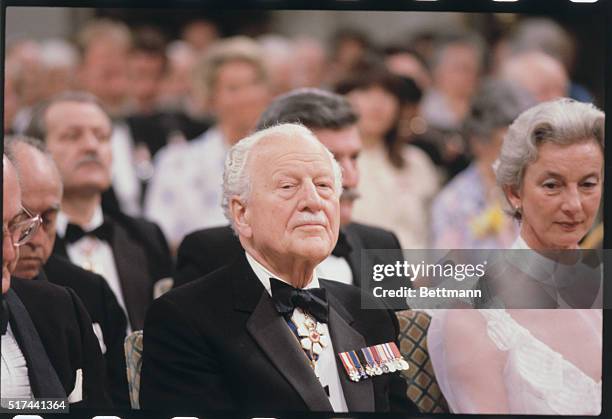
236,176
562,121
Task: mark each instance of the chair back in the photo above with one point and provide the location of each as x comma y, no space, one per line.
423,388
133,362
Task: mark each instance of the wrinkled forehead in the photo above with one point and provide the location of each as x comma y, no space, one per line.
280,150
76,113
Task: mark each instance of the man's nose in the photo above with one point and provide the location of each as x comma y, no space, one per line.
310,198
350,174
90,141
37,238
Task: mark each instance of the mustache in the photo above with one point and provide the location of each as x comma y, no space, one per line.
350,194
89,158
311,218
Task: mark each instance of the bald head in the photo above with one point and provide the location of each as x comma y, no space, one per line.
41,189
540,74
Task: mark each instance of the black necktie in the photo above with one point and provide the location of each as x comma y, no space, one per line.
343,247
286,298
75,233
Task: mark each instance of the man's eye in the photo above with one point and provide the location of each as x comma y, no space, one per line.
550,185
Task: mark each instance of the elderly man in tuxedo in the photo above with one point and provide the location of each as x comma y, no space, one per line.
49,349
264,333
41,193
334,123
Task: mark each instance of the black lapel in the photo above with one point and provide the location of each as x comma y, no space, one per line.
59,247
275,339
359,396
354,258
43,379
133,271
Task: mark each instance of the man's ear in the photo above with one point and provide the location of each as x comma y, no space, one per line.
514,197
240,216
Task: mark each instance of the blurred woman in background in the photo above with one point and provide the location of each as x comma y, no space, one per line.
398,180
467,213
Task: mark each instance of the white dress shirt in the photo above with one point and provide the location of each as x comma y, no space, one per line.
325,368
337,269
125,181
94,255
14,379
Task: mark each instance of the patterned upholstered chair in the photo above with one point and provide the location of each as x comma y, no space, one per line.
133,361
423,389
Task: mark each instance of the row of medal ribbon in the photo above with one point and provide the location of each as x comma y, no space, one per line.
373,360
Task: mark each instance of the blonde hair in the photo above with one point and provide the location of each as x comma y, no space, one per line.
239,48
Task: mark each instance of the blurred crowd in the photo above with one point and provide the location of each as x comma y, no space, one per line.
432,113
119,138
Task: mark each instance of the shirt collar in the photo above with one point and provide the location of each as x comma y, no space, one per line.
531,262
96,221
264,275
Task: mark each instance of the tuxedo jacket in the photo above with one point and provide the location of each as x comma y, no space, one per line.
218,343
105,312
53,329
205,250
141,256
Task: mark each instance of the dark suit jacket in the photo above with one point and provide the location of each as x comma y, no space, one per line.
63,327
103,308
205,250
141,256
155,129
218,343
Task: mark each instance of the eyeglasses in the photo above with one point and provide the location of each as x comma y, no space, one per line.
21,231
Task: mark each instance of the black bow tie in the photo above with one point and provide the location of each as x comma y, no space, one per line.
286,298
75,233
343,247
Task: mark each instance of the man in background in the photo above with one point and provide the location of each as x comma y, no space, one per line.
130,253
42,191
49,349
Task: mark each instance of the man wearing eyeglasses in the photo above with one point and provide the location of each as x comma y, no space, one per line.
41,188
48,347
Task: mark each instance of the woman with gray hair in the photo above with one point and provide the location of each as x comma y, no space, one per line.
534,361
467,213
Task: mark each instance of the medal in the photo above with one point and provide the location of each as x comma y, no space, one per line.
377,361
369,361
311,334
349,367
383,357
357,364
398,355
392,361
